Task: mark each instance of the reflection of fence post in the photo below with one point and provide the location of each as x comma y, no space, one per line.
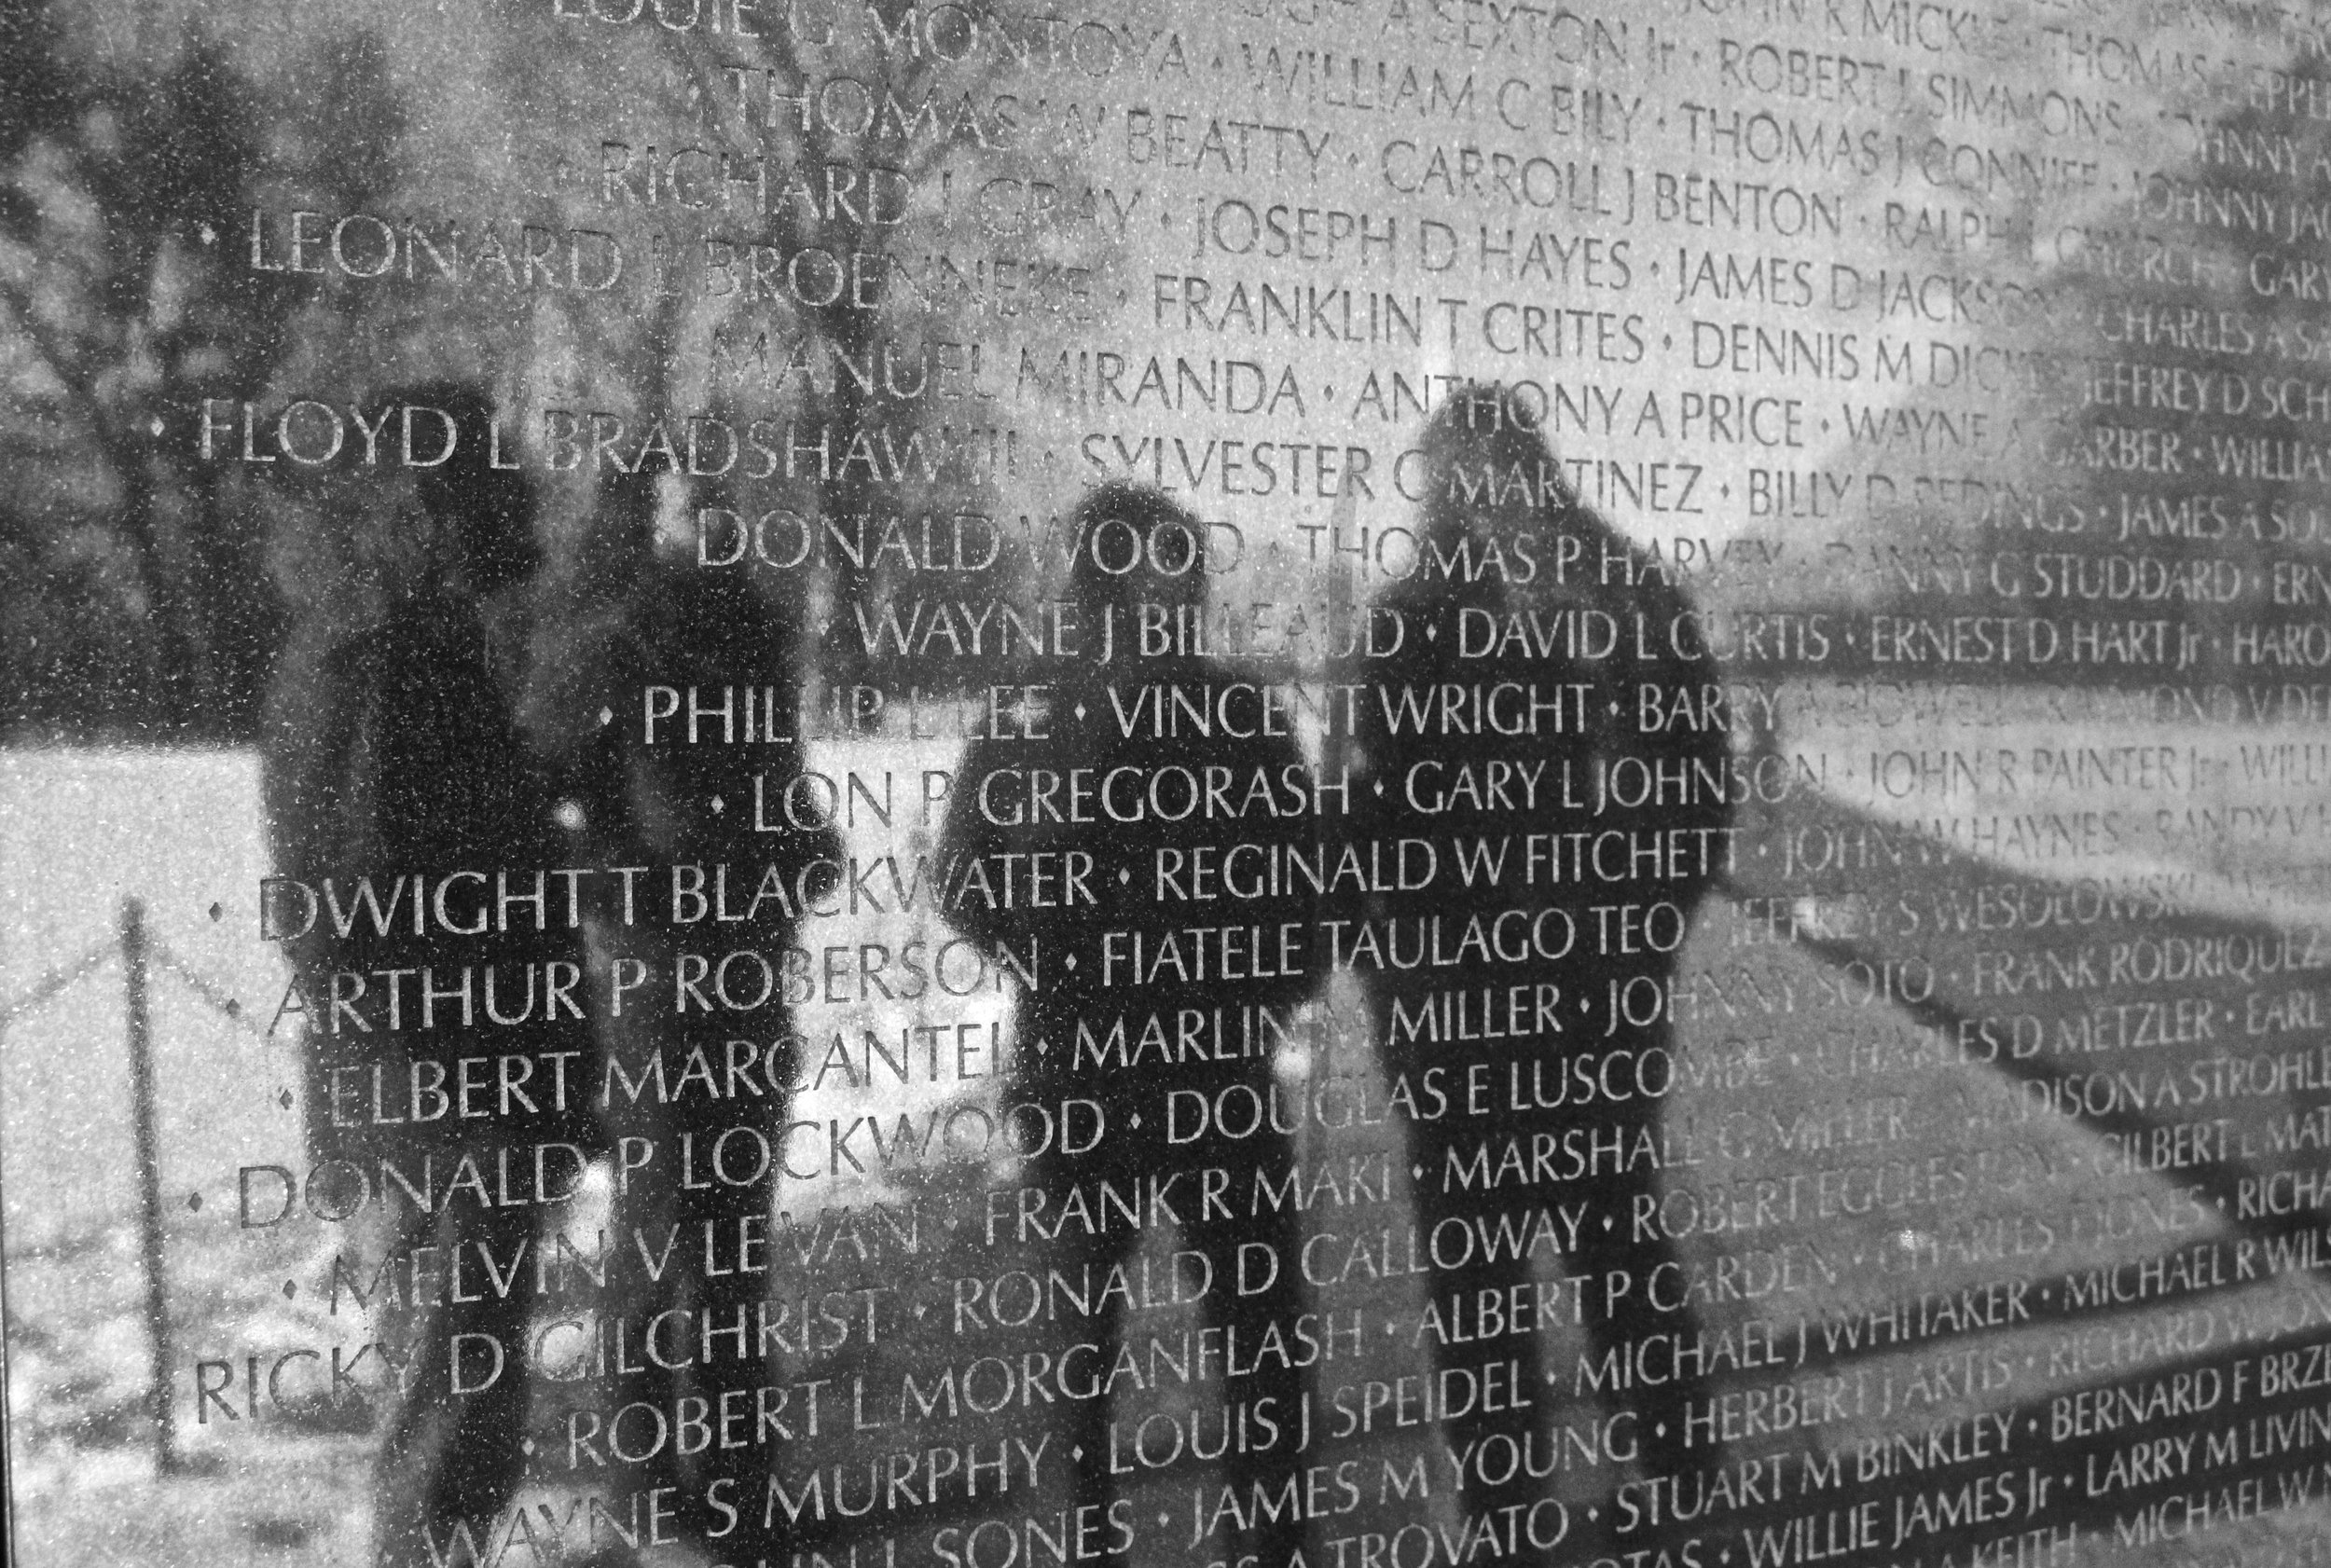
134,960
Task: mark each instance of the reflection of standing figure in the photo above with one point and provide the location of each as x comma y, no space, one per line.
1504,628
395,756
1105,868
660,804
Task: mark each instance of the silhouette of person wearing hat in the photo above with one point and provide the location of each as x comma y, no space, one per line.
1173,1044
1511,565
661,800
396,755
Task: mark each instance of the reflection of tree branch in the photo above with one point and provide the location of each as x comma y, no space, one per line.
103,285
720,78
136,515
63,366
920,166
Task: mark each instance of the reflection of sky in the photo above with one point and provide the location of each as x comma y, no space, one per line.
466,156
2023,235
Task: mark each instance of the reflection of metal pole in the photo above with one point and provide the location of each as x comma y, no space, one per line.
134,955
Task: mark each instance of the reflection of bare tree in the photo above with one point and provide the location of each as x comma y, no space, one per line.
122,306
881,98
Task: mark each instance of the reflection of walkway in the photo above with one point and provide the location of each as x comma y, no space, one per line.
2020,972
2189,1041
2188,1038
2153,1459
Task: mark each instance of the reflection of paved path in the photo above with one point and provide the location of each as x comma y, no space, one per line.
2002,1471
2187,1039
2190,1037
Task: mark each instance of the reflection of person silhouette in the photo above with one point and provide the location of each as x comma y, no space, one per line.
1475,446
1114,903
395,754
659,805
